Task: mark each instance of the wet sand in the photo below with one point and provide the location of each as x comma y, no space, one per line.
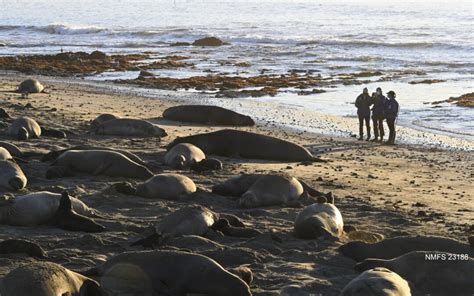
389,190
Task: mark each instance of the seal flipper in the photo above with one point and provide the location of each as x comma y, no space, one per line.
67,219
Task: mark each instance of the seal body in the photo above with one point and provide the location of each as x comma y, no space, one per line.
47,279
236,186
433,273
24,128
166,186
37,209
378,281
129,127
101,119
12,149
271,190
97,162
11,176
30,86
162,272
234,143
193,220
208,115
22,246
319,219
183,155
5,154
397,246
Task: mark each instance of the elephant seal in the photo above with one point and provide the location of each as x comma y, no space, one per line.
5,115
397,246
234,143
161,272
53,133
238,185
30,86
5,154
53,155
378,281
37,208
207,115
183,155
22,246
129,127
319,219
47,279
11,176
433,273
96,162
24,128
207,164
166,186
66,218
12,149
101,119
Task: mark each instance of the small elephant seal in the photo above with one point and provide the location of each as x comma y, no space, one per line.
30,86
129,127
378,281
53,133
397,246
183,155
207,115
234,143
47,279
161,272
207,164
24,128
101,119
37,208
433,273
166,186
4,115
66,218
53,155
5,154
11,176
319,219
96,162
17,246
12,149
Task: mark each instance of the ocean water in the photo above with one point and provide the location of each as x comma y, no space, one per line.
324,36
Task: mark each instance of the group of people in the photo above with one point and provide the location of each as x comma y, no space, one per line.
382,108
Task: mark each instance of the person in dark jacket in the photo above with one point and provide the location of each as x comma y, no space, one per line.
391,113
378,114
363,103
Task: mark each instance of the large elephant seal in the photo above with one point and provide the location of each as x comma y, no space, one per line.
11,176
47,279
129,127
53,155
166,186
101,119
319,219
5,154
238,185
208,115
30,86
96,162
162,272
377,282
234,143
183,155
433,273
24,128
37,208
397,246
20,246
66,218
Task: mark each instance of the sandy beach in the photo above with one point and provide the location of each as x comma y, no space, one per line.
383,191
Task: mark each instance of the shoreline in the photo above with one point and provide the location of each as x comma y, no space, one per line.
382,191
283,113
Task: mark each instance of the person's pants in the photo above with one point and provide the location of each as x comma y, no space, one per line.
378,127
391,127
361,125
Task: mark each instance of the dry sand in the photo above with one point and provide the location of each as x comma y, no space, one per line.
400,190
